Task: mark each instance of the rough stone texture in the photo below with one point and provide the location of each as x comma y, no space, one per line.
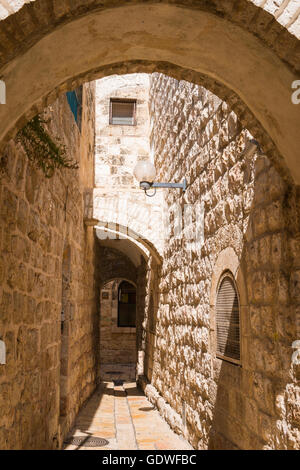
252,211
117,198
251,226
167,412
47,263
29,25
120,349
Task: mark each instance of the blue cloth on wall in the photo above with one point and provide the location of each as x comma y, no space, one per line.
73,102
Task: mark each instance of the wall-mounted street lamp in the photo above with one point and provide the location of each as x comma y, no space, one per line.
145,173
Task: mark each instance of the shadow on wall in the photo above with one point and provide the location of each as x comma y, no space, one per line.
151,296
141,314
254,401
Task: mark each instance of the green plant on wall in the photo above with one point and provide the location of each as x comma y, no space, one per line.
42,150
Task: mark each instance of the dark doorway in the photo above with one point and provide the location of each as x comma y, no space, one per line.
126,305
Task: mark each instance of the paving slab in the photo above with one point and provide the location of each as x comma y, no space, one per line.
126,419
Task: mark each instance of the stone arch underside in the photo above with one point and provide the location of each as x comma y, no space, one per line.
144,246
115,265
234,49
286,12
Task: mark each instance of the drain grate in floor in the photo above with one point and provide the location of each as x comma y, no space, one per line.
87,441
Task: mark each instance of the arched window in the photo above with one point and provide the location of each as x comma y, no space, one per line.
127,305
228,320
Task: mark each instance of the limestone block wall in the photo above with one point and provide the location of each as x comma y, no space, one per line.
117,196
251,226
148,295
41,219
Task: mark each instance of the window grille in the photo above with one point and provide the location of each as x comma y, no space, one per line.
228,320
122,112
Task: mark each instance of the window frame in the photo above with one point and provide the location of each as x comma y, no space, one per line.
122,100
118,308
219,355
77,96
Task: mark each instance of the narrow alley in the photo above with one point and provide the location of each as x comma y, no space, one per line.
149,225
123,418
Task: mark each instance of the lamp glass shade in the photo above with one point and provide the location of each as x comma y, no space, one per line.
145,171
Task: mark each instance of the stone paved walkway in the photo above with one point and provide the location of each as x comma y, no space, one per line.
126,419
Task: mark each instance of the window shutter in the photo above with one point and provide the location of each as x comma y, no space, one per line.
123,112
228,320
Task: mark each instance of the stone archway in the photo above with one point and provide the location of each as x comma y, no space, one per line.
118,352
232,50
128,256
116,231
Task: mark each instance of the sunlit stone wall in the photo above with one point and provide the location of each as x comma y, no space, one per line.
251,227
117,196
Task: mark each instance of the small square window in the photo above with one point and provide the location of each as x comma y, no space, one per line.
122,112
